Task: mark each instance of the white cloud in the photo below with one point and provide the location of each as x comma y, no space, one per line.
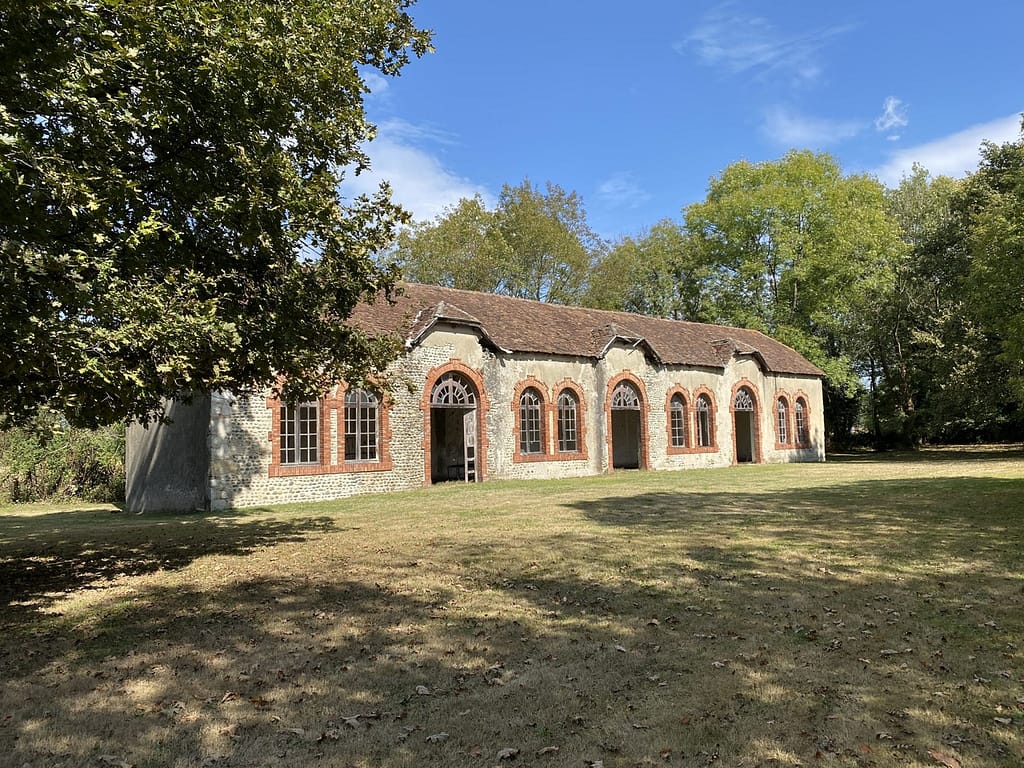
739,43
419,180
621,190
795,130
954,155
894,115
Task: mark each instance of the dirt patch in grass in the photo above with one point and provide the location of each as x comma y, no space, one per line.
866,612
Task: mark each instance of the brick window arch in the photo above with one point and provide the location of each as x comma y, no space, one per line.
570,411
531,407
801,417
531,422
677,420
705,421
783,417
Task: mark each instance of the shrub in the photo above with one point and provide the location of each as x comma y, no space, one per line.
48,460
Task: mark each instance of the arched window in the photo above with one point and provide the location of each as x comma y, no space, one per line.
453,391
300,433
677,419
362,425
530,424
705,424
782,421
567,425
625,397
800,412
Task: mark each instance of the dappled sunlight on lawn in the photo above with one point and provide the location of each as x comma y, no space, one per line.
726,617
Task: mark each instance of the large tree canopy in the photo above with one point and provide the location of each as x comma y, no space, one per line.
170,218
534,244
796,249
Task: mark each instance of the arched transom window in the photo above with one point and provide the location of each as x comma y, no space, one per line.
568,429
625,397
744,400
453,391
531,438
362,424
677,413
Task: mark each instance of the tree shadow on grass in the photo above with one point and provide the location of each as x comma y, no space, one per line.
42,557
918,515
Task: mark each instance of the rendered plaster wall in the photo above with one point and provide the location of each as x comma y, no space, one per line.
166,465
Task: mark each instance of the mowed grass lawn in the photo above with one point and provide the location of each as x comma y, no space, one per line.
864,612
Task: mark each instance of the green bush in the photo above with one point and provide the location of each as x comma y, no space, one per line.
48,460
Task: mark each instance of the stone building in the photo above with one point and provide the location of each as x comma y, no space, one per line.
493,387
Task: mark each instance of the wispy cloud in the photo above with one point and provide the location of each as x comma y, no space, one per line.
621,190
792,129
954,155
894,115
741,43
405,155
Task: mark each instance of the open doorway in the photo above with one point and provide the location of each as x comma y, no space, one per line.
744,427
627,437
453,430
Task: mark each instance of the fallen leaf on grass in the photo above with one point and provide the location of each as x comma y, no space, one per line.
117,762
547,751
437,738
508,753
943,759
422,690
1003,720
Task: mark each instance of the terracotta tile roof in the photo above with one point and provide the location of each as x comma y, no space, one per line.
519,325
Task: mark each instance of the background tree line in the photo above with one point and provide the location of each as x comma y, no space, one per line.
910,299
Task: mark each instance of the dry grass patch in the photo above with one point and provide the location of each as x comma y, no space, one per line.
865,612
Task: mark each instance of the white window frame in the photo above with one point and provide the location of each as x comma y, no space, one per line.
705,423
782,421
677,421
362,427
300,434
568,422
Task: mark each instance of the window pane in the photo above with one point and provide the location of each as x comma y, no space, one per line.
677,411
567,423
529,422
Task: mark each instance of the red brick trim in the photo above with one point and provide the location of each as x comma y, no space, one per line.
384,461
756,426
276,468
581,422
670,449
483,407
331,432
645,408
712,417
518,457
800,395
790,441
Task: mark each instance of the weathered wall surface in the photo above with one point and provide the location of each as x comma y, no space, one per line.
167,465
240,428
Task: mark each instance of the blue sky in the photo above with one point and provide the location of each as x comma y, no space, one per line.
635,105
